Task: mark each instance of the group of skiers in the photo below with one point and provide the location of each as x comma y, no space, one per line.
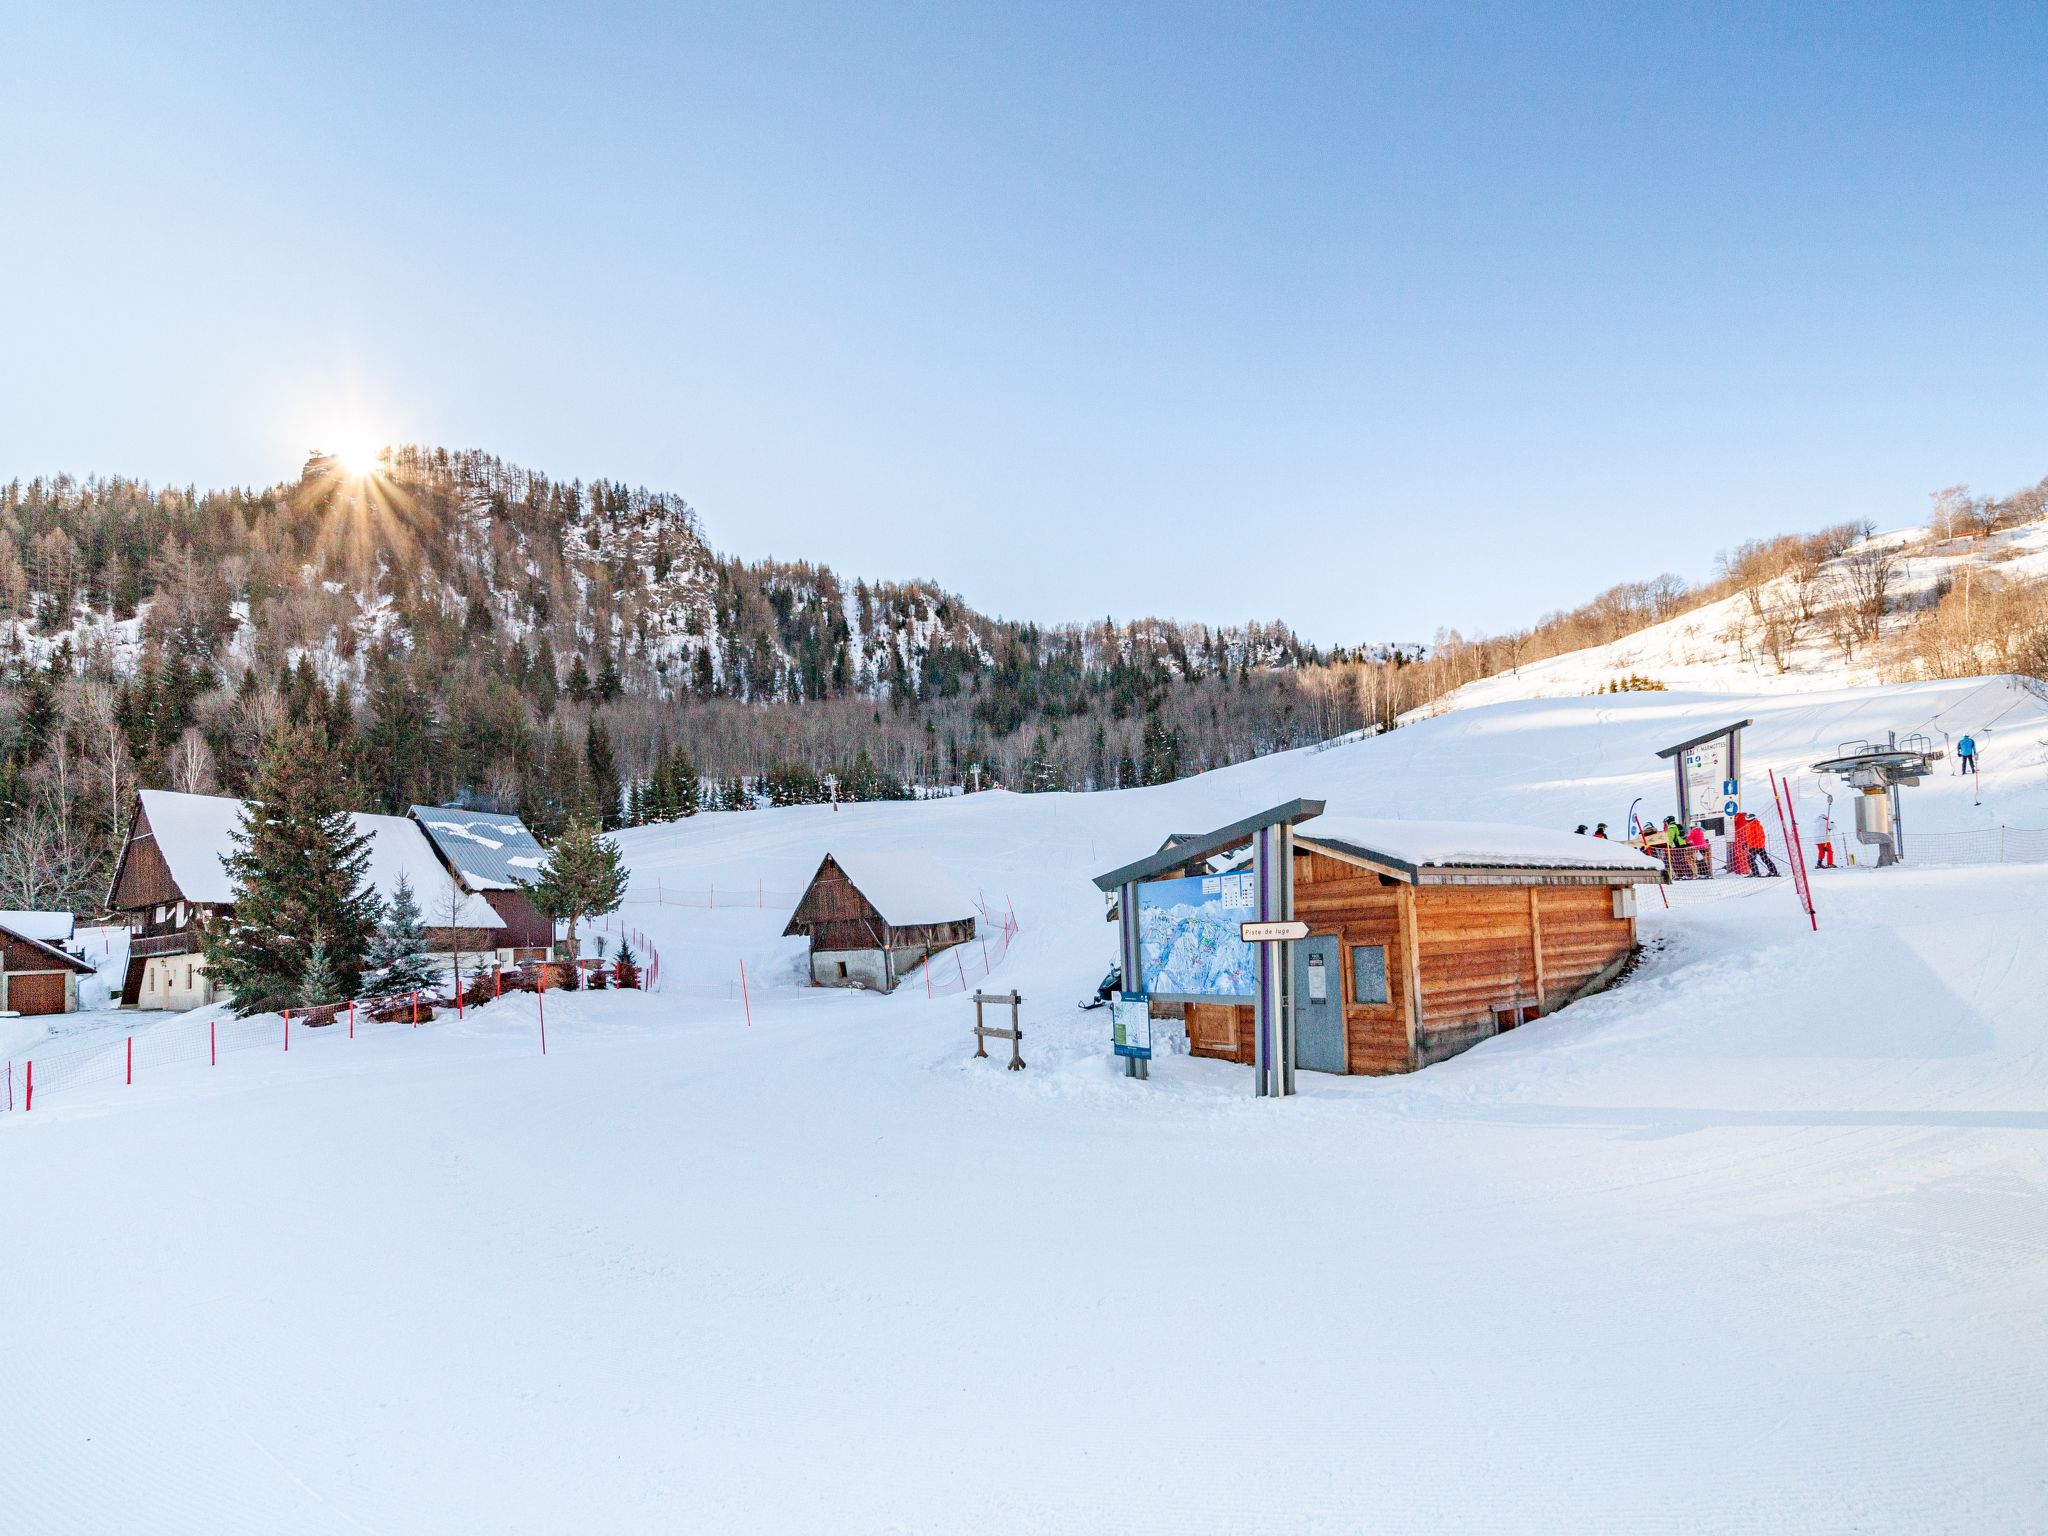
1688,853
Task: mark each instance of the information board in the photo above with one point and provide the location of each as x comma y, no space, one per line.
1131,1027
1189,946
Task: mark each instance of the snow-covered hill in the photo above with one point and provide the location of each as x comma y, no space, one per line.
1754,1242
1722,646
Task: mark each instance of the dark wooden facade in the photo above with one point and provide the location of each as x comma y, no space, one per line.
525,925
1467,956
144,887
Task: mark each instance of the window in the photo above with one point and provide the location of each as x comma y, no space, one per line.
1369,973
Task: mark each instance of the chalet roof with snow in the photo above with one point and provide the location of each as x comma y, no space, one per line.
194,835
491,851
904,889
41,948
43,927
1414,852
1413,846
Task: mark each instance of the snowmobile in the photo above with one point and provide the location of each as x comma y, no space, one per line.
1111,985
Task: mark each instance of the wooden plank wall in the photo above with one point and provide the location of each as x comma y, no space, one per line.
1478,952
1476,948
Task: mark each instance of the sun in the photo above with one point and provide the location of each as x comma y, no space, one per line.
358,455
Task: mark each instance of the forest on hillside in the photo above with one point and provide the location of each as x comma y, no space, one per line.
465,631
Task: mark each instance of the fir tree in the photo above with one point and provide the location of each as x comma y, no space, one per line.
603,768
320,984
581,877
297,871
683,785
398,960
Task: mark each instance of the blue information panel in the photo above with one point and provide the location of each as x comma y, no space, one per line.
1132,1027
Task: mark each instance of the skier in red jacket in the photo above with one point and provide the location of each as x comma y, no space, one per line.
1759,855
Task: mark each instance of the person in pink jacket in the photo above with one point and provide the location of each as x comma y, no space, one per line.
1702,860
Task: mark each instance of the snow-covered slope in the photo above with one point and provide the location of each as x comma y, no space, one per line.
1717,647
1753,1242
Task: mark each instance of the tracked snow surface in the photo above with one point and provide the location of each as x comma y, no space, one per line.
1755,1242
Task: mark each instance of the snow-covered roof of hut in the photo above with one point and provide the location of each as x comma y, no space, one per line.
195,835
908,889
44,927
1470,845
494,852
399,847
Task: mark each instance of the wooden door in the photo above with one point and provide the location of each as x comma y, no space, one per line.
36,991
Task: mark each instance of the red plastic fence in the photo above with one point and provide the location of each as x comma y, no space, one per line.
643,947
108,1059
713,897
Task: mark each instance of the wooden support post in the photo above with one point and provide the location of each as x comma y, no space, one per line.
1411,946
1536,947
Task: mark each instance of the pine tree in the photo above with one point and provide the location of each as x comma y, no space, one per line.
683,785
297,870
603,768
579,681
581,877
398,961
320,984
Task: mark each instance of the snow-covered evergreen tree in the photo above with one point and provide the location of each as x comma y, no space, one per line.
398,961
320,983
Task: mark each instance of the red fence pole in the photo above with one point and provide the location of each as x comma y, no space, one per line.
1791,852
351,1018
287,1029
28,1093
415,1007
541,1000
131,1061
212,1046
744,1001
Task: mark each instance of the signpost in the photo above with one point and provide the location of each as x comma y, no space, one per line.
1272,933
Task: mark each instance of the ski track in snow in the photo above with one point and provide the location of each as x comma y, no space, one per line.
1755,1242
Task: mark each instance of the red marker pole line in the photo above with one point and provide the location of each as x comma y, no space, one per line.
745,1002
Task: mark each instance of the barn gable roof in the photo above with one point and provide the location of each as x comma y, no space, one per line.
906,889
51,951
491,850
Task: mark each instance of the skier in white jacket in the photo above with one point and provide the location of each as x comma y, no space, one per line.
1823,838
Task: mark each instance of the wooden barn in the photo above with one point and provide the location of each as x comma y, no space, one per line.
1424,938
494,855
36,976
873,918
172,877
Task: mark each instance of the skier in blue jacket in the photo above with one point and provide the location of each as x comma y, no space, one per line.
1966,755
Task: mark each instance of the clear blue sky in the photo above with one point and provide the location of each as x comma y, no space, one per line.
1372,319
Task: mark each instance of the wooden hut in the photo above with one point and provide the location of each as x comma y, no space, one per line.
36,976
873,918
1424,938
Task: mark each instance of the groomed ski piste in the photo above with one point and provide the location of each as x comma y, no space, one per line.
1756,1241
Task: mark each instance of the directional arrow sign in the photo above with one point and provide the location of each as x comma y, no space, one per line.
1271,933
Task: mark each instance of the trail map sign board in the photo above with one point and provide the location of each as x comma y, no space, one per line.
1188,939
1709,771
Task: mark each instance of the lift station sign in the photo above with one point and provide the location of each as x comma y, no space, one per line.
1711,788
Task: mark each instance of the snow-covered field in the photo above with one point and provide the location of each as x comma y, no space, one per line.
1756,1242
